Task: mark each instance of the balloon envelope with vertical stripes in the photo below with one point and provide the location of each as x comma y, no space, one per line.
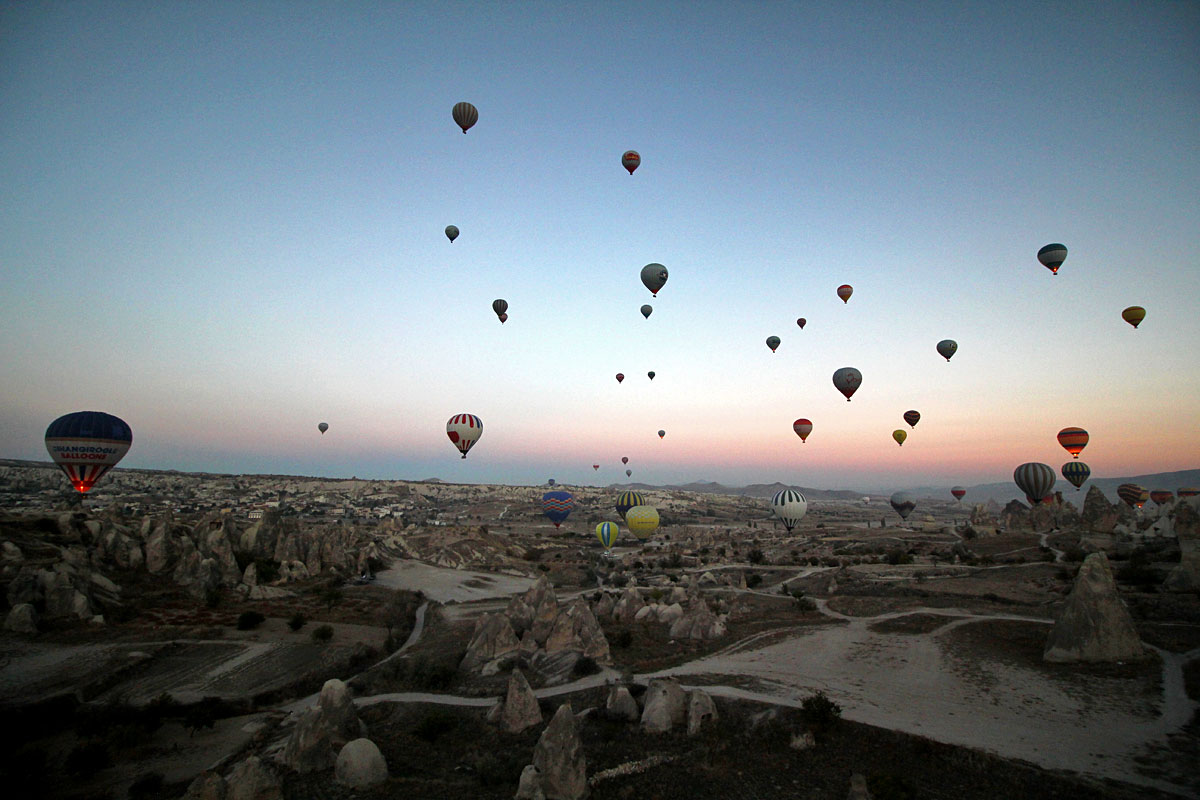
1035,480
912,418
87,444
465,115
789,507
627,500
1052,256
1076,472
802,427
1133,494
464,431
607,533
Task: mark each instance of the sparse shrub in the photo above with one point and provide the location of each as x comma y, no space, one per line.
620,580
88,758
249,620
586,665
753,580
656,594
331,595
969,533
148,785
544,567
623,639
212,597
675,561
497,769
820,524
806,603
1074,553
322,634
755,556
297,621
890,787
266,569
820,711
898,556
813,561
434,725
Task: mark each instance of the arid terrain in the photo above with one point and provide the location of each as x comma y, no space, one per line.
172,626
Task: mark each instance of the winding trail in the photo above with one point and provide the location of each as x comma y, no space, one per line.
915,682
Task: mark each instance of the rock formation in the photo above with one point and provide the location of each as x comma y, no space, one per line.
1094,625
322,731
620,705
360,765
576,630
252,780
665,706
1186,521
530,785
698,622
208,785
858,787
22,619
701,710
492,640
1099,515
519,709
558,756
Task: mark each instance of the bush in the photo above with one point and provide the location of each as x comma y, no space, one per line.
820,711
753,580
898,556
88,758
586,665
266,569
623,639
434,725
755,556
297,621
322,634
249,620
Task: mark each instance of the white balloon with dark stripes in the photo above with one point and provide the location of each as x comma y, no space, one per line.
789,507
1035,480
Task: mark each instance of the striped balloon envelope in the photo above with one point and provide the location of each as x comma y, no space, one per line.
959,493
1076,472
912,418
464,430
1136,496
630,160
1161,496
1073,440
642,521
465,115
557,506
607,533
1134,315
627,500
844,291
1035,480
903,503
1052,256
1187,491
87,444
802,427
789,507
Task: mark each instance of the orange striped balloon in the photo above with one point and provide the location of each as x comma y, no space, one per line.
1073,440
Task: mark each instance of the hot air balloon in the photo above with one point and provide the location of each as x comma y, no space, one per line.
1076,472
630,160
947,348
624,459
912,418
802,427
661,434
802,322
87,444
1035,480
642,521
1134,495
1073,440
464,430
653,277
627,500
844,291
596,467
465,115
772,342
1187,491
789,507
903,503
322,426
620,377
1161,496
647,310
550,482
1134,315
451,233
899,435
650,374
847,380
557,506
503,318
500,307
628,473
1052,256
958,492
607,533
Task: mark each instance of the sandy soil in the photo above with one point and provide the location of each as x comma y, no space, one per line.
447,585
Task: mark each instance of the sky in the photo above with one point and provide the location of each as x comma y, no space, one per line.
223,222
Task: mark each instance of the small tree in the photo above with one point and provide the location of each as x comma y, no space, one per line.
297,621
322,634
249,620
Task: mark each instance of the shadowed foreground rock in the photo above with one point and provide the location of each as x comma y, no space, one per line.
322,731
558,756
1094,625
360,765
1186,517
665,706
519,709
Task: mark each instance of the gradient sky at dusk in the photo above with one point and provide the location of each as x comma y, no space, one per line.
223,222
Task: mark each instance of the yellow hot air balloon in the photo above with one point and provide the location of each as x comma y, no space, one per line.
1134,315
899,436
607,533
642,521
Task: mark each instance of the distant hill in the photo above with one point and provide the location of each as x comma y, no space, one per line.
1003,492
